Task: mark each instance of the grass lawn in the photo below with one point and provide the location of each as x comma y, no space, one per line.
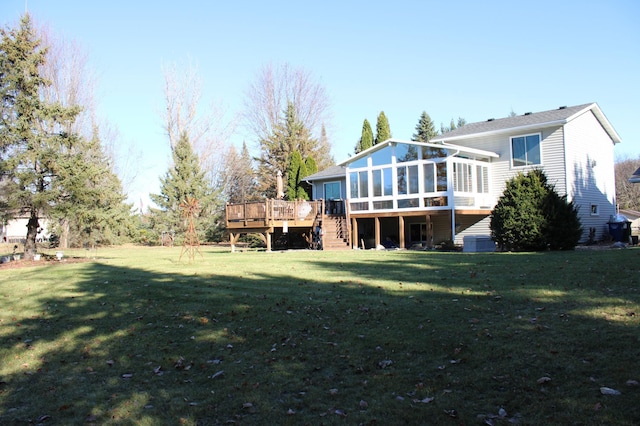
303,337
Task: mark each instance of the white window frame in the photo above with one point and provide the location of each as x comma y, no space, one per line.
539,135
595,210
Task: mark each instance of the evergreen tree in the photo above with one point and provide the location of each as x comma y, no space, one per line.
184,179
275,151
366,139
383,131
297,188
35,148
425,130
563,229
531,216
238,176
452,125
92,206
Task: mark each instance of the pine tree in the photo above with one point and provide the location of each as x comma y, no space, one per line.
383,132
275,151
366,138
238,176
92,205
184,179
425,130
35,148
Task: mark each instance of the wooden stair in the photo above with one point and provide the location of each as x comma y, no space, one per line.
336,233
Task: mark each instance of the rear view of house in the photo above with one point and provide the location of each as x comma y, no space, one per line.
409,193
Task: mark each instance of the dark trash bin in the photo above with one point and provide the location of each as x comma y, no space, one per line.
619,228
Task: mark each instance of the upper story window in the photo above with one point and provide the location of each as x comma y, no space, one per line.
406,152
525,150
381,157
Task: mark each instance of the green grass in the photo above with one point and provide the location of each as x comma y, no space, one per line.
359,337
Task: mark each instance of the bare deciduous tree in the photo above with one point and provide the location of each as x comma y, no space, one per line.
268,97
73,83
208,132
627,193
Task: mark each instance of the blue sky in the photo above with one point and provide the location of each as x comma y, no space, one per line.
449,58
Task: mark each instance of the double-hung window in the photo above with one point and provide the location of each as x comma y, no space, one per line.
525,150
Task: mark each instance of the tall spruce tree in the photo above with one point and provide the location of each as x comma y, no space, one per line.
184,179
425,129
383,132
238,176
366,138
275,151
36,148
92,204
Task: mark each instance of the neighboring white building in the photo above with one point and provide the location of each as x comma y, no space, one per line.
418,193
15,230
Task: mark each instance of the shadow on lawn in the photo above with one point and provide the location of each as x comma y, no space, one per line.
127,346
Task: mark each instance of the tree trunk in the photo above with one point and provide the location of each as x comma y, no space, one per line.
63,241
32,233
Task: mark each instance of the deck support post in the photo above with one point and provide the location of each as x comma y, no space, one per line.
233,239
354,233
401,242
267,236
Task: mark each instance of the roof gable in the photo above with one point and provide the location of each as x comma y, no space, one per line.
555,117
384,144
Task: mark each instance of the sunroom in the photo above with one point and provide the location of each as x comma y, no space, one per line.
423,184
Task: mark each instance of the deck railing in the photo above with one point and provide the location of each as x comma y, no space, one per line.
267,212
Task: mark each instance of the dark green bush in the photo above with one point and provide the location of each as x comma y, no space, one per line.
531,216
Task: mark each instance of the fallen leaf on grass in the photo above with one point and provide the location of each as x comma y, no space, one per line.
218,374
543,380
127,375
632,383
385,363
609,391
424,401
451,413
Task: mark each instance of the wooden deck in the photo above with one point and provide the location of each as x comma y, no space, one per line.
263,217
273,214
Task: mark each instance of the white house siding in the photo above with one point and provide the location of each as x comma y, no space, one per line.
590,172
471,225
501,170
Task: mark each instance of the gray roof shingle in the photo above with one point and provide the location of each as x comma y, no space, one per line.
554,116
330,172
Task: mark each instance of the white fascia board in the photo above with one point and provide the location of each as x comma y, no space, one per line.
603,122
466,149
418,143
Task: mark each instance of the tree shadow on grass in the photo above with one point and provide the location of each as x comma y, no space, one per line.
106,344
